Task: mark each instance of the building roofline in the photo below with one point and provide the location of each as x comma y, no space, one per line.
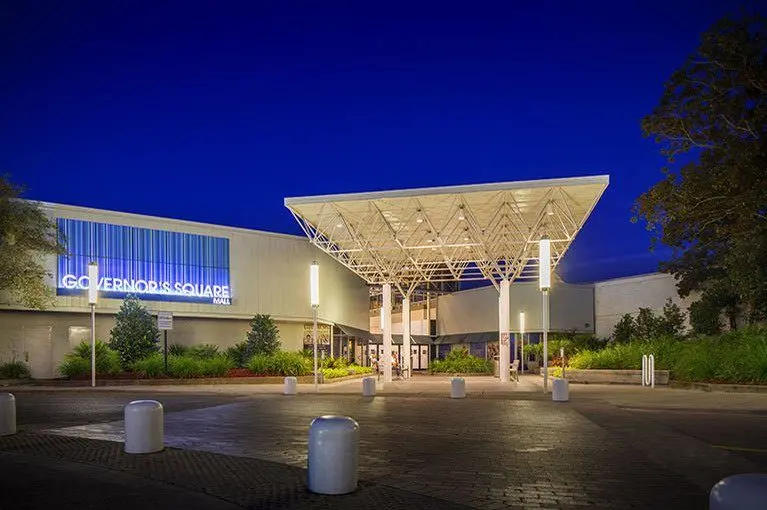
53,206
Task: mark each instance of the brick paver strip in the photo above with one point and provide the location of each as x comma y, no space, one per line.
250,483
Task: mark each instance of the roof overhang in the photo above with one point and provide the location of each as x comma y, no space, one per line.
474,232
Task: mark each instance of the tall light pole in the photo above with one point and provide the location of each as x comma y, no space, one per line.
93,297
544,284
522,338
314,297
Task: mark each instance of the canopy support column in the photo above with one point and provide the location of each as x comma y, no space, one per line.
504,349
386,327
406,351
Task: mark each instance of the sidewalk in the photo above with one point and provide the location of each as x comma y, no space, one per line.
49,471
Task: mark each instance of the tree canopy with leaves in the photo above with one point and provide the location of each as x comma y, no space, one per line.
712,210
27,235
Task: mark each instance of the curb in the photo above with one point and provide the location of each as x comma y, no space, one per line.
724,388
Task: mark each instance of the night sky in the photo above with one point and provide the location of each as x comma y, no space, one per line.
216,111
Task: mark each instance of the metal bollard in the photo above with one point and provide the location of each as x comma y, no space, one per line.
7,414
144,427
739,492
457,387
560,390
333,451
291,386
368,387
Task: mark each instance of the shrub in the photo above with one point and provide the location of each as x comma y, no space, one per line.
263,337
705,317
280,363
135,333
14,370
78,362
333,373
460,361
152,366
177,349
625,330
356,369
216,366
184,367
238,353
339,362
203,351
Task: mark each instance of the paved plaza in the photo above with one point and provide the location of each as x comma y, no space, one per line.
504,446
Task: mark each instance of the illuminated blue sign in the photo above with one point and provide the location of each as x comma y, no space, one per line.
153,264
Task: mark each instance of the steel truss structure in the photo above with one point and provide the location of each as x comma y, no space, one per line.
430,235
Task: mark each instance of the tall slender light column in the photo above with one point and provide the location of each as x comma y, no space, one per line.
93,297
504,327
522,340
406,337
314,298
544,283
386,328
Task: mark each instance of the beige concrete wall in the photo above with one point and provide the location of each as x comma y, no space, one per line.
614,298
269,274
476,310
42,339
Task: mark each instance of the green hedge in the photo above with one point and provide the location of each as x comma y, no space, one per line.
333,373
459,361
14,370
78,362
280,363
734,357
183,367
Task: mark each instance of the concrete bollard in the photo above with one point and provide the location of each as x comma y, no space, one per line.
368,387
457,387
333,451
144,426
560,390
7,414
739,492
291,386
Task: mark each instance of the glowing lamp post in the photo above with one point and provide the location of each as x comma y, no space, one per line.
93,297
314,297
522,338
544,284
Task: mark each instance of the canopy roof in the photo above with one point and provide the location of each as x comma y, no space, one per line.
475,232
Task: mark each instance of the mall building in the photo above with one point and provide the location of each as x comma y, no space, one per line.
214,279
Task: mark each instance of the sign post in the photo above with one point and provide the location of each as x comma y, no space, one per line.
164,323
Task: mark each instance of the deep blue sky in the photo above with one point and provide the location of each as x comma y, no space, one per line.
215,111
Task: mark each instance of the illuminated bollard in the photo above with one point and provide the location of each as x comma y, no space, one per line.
739,492
7,414
560,391
332,459
291,386
368,387
144,427
457,387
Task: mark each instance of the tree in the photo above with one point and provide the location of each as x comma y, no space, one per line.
705,317
712,211
625,330
671,323
27,235
263,337
647,324
135,333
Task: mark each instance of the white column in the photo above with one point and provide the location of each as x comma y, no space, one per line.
405,359
545,310
504,325
386,327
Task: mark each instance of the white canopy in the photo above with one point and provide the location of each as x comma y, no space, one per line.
475,232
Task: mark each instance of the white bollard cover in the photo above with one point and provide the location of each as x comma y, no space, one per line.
144,427
457,387
333,451
560,391
739,492
7,414
368,387
291,386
